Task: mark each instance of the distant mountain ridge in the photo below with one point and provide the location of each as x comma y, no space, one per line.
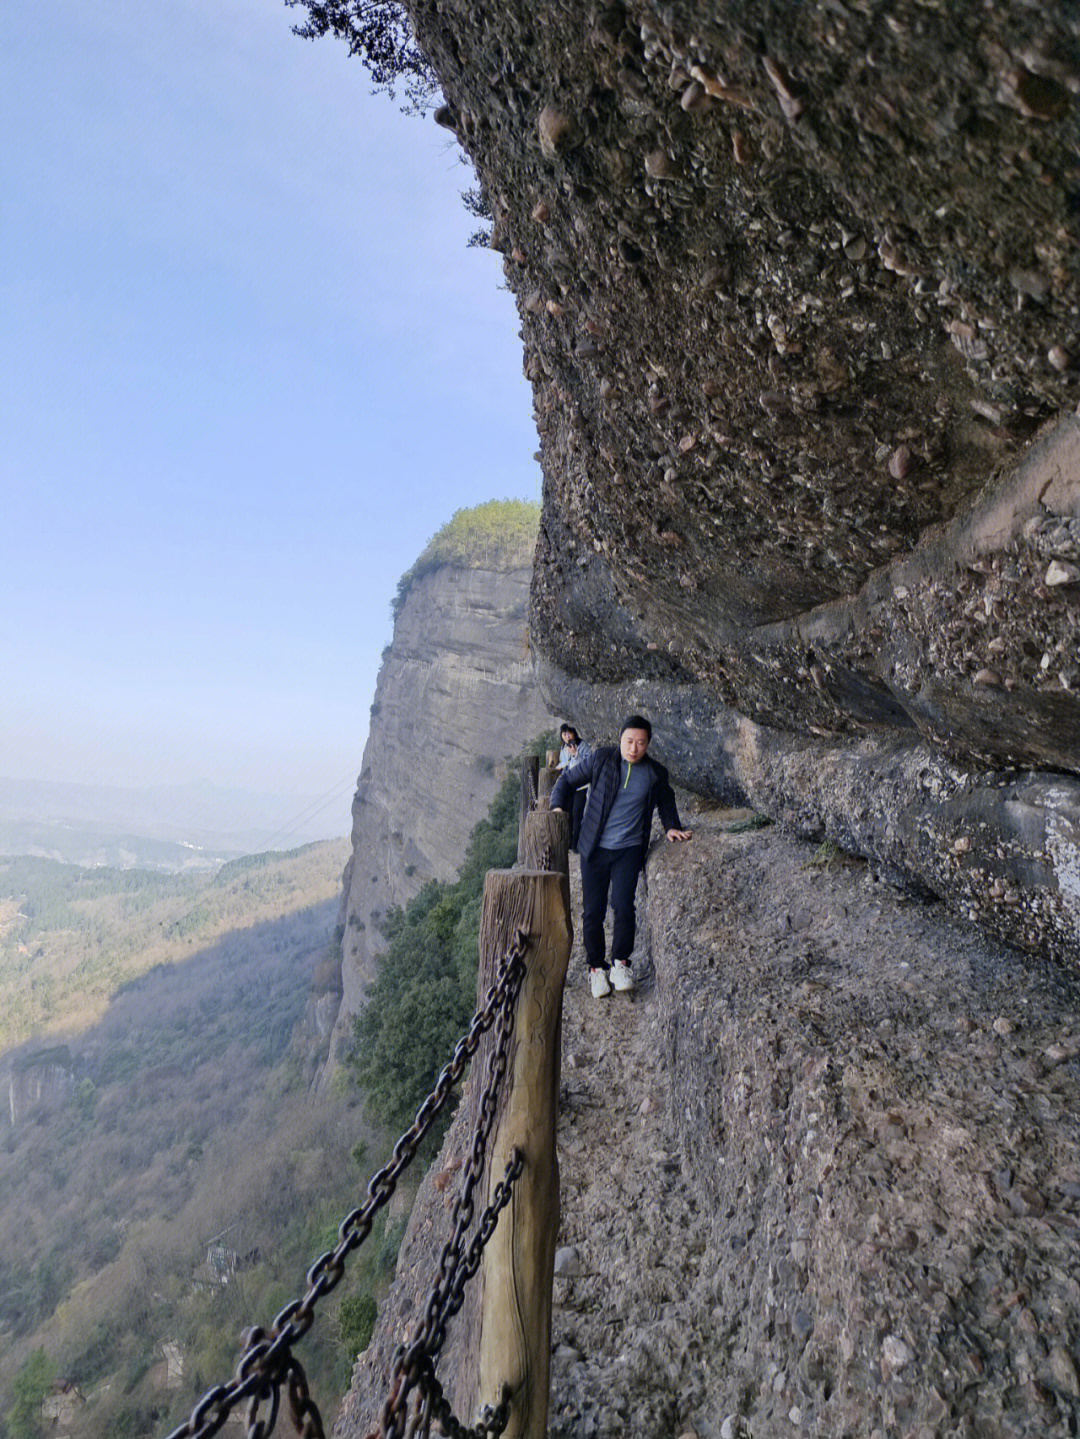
193,825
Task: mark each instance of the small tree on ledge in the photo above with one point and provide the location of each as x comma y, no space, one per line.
380,33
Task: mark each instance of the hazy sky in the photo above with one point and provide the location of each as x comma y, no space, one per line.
248,368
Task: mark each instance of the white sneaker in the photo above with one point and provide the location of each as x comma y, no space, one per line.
598,983
622,978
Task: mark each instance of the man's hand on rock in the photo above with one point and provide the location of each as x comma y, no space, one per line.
678,834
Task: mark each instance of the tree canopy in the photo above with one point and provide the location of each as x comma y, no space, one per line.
498,535
380,34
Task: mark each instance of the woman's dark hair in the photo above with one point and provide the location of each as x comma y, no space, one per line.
566,727
636,722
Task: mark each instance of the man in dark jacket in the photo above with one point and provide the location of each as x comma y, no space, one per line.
625,788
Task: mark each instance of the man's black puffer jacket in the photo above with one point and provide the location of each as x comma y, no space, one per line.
602,770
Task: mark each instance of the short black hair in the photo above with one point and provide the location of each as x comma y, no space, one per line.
566,725
636,722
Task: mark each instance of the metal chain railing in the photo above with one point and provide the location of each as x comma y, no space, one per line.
410,1366
268,1365
414,1368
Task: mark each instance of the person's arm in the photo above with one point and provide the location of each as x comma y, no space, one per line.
570,780
669,811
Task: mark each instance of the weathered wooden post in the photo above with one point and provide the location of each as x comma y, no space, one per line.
546,844
546,841
545,783
519,1261
530,769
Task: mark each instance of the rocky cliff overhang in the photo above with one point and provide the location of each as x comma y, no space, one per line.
798,288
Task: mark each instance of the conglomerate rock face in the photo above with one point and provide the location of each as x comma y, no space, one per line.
456,695
875,1106
798,289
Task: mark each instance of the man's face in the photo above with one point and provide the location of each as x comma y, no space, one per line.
632,744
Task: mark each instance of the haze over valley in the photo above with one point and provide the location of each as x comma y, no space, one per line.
196,825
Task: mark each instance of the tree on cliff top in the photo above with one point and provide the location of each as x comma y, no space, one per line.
498,535
380,33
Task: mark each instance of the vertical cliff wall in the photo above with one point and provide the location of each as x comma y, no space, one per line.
456,695
42,1079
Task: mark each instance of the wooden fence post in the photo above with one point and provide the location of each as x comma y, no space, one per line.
546,845
545,783
519,1261
530,769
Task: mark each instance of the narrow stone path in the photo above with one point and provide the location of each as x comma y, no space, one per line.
629,1295
866,1225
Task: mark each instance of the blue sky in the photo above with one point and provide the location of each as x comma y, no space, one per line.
248,367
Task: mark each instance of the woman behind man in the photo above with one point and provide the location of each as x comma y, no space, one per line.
574,748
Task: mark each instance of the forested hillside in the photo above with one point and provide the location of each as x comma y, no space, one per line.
175,1180
69,937
170,1179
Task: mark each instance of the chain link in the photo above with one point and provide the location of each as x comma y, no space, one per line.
304,1412
490,1422
485,1228
432,1400
267,1362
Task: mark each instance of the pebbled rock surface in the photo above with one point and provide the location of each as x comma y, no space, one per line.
456,695
798,285
1001,847
820,1174
877,1110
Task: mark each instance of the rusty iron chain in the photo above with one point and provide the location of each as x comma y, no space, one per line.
420,1419
431,1403
267,1362
485,1228
420,1375
490,1423
304,1412
431,1332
